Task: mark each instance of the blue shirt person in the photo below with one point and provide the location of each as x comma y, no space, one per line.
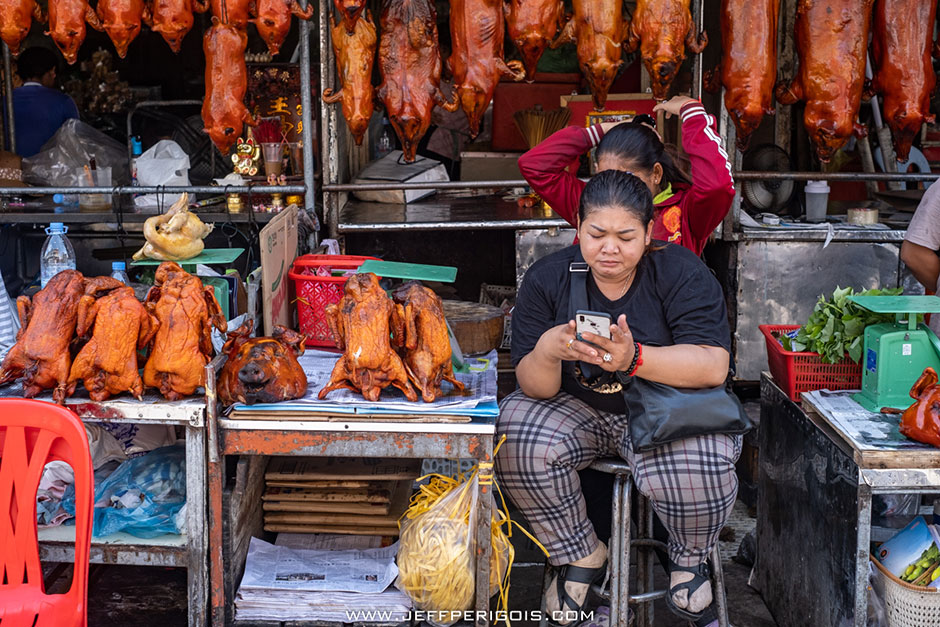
39,109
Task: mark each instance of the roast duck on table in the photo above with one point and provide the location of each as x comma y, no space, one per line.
67,20
223,110
121,19
663,30
748,68
262,369
921,421
426,350
531,26
274,18
120,325
476,33
902,43
831,40
598,29
174,18
16,18
182,346
41,356
410,65
355,54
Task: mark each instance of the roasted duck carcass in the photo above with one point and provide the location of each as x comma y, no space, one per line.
748,63
67,20
41,354
410,64
174,18
262,369
921,421
598,29
273,21
362,323
476,33
107,364
350,10
223,110
532,25
426,351
237,13
831,39
355,53
663,29
16,18
121,20
174,236
182,346
902,42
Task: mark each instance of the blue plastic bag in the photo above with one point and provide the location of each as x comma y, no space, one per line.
142,497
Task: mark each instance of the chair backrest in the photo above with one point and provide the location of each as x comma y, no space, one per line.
33,433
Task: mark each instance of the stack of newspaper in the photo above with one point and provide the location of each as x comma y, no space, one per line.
321,577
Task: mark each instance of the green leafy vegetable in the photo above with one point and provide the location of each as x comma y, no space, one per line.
837,326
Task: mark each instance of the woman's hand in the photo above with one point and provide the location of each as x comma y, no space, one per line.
673,106
556,343
620,347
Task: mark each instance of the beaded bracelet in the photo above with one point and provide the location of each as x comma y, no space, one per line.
637,359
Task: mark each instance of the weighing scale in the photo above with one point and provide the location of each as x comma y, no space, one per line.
895,353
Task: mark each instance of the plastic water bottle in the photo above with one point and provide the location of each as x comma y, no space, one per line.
137,149
65,200
57,253
119,272
383,144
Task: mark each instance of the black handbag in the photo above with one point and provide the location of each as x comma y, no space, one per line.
658,413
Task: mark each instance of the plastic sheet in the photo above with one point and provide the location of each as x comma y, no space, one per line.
69,150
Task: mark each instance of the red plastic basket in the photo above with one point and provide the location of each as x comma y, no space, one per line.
802,372
315,292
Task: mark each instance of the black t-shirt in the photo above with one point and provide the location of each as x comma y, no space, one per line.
674,299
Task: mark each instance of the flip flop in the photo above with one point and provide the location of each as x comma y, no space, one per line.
701,576
576,574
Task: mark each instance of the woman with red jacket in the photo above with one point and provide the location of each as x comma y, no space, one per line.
686,212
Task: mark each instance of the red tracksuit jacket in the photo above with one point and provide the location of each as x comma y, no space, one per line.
687,217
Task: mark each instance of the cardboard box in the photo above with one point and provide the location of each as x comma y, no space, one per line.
490,166
391,168
278,241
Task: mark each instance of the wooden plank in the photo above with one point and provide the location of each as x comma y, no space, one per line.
366,509
337,495
320,484
305,468
393,511
312,528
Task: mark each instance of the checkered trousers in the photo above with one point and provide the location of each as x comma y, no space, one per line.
691,483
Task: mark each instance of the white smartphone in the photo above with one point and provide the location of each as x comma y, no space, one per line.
594,322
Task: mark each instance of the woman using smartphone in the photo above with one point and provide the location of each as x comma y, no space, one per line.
669,325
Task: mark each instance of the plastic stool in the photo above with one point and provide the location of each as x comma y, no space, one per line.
616,588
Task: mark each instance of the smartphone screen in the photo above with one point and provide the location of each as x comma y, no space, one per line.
592,322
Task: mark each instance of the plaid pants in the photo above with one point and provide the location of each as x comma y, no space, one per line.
691,483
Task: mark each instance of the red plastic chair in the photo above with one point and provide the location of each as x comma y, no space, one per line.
33,433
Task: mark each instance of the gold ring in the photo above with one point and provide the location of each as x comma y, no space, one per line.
570,342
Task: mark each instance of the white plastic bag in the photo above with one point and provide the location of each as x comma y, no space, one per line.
165,163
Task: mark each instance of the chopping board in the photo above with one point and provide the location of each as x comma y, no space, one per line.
477,327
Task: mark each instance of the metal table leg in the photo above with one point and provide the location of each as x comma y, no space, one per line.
197,577
861,554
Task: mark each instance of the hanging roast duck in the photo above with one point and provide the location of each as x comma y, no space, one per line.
410,64
274,18
67,20
355,53
831,39
174,18
532,25
223,110
16,18
121,19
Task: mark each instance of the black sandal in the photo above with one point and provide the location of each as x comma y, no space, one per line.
701,576
576,574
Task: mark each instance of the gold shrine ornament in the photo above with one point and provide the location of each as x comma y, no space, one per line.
246,156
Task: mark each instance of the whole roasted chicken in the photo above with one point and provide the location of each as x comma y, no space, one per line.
41,354
663,29
234,12
410,64
476,32
174,18
16,18
350,10
598,29
182,346
67,20
355,54
121,20
831,38
262,369
273,21
174,236
121,325
749,62
223,110
921,421
362,323
426,352
532,25
902,42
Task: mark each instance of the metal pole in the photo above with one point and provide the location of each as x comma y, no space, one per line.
699,19
327,128
306,105
156,189
8,93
